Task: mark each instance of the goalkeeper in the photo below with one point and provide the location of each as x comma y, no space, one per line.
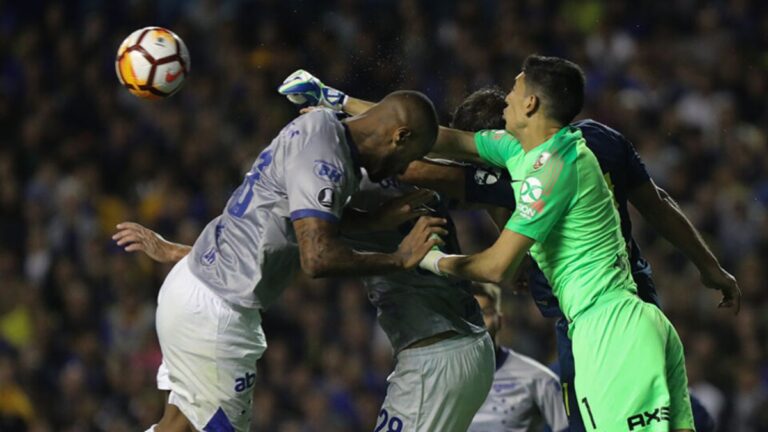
630,372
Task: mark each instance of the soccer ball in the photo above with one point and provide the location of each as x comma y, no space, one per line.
152,63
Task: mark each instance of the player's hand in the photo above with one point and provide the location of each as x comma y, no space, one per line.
134,237
420,240
304,89
396,211
725,282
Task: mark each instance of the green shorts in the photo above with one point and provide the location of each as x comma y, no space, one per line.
630,368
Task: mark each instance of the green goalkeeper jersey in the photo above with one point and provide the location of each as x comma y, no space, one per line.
564,204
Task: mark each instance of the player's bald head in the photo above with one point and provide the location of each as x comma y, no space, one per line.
414,111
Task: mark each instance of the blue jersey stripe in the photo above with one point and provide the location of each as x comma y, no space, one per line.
314,213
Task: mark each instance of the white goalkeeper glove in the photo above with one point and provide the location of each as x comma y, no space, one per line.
304,89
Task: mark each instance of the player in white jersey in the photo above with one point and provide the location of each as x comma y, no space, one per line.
524,392
284,217
444,356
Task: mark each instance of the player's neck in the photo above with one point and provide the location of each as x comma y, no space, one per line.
536,133
361,136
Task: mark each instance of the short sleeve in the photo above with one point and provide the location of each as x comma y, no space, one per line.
637,174
489,185
545,195
496,146
317,179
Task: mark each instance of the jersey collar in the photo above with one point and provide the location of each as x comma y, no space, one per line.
501,356
353,151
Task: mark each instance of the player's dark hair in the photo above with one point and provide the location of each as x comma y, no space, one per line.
558,83
483,109
490,291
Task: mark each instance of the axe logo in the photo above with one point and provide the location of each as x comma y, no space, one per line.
647,418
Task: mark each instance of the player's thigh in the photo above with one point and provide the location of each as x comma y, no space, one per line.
620,358
681,412
209,351
439,387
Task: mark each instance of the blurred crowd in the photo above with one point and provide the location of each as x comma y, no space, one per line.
685,80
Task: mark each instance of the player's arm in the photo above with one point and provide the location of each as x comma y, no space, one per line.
533,220
666,217
304,89
323,253
390,215
134,237
447,180
495,264
450,143
467,184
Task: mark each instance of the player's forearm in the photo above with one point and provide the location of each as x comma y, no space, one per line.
329,259
177,251
455,144
479,267
354,106
446,180
670,221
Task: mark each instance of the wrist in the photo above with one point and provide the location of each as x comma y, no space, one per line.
333,98
431,261
177,252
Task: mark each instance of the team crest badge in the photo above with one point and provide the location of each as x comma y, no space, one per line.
542,159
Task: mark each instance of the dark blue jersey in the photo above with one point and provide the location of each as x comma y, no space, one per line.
623,170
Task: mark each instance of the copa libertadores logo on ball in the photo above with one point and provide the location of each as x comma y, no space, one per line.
530,190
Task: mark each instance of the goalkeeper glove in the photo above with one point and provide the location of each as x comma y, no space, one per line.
304,89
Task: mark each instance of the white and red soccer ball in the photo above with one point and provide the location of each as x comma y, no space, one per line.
152,63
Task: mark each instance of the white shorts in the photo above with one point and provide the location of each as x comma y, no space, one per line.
439,387
209,350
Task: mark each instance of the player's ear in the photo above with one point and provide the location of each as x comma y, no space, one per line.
531,104
400,136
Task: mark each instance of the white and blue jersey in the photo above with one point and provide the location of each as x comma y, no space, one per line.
413,305
524,395
249,253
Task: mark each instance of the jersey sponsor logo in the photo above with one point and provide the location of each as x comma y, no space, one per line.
525,211
541,160
245,382
487,176
530,190
497,135
647,418
326,197
327,170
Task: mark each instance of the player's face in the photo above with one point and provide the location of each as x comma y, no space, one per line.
401,151
514,113
491,316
